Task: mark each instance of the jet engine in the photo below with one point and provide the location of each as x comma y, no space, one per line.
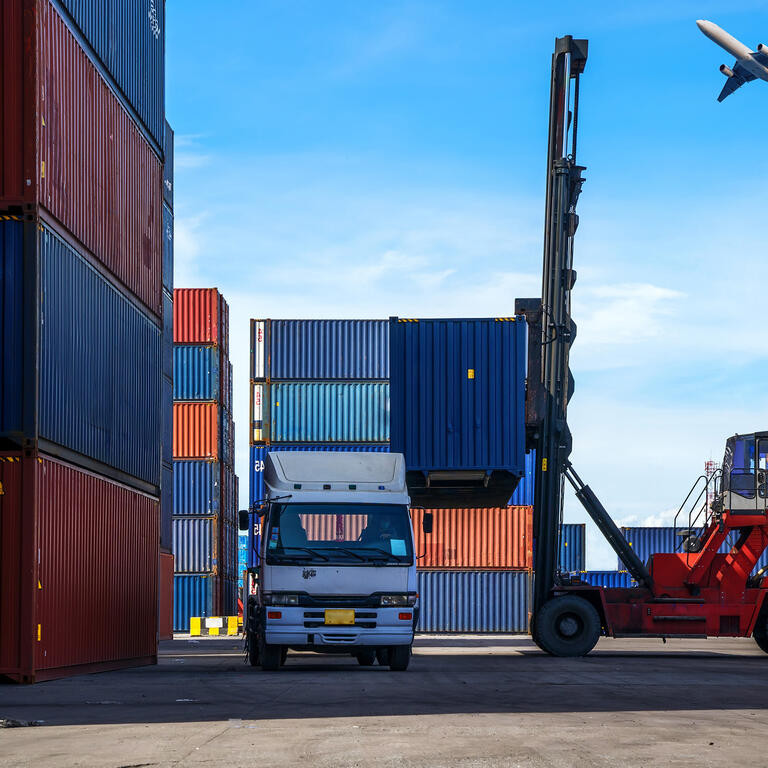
727,71
762,48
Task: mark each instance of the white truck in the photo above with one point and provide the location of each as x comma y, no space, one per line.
336,564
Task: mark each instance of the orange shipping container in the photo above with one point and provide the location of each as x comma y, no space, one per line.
195,431
489,538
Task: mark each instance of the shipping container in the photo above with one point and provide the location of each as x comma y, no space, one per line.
168,169
321,412
165,597
258,454
200,316
608,579
226,438
474,601
98,177
523,495
458,408
166,507
166,449
167,336
482,539
127,37
73,546
319,349
197,375
196,544
196,431
168,233
229,597
226,384
196,488
194,595
573,538
99,396
647,540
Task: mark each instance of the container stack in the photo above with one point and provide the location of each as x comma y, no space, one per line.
204,480
81,266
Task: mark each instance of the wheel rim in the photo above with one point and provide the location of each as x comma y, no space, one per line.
569,626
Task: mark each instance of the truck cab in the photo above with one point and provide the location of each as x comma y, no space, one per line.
336,565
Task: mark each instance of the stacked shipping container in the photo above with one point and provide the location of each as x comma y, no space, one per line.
81,310
204,481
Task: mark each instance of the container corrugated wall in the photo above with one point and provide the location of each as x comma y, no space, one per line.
573,547
96,548
458,394
195,544
193,595
474,601
197,316
168,234
168,168
196,431
196,488
12,324
328,412
608,579
523,495
319,349
197,374
99,368
483,539
128,37
65,162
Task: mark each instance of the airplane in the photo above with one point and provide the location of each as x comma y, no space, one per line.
750,65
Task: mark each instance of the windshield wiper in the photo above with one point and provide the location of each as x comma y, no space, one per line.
313,552
384,552
345,550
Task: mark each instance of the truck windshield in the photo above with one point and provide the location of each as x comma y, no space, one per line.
352,534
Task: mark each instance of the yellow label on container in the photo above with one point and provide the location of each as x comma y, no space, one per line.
39,632
42,169
544,464
2,490
470,373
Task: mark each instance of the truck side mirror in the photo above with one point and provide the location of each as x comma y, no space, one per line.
243,520
426,522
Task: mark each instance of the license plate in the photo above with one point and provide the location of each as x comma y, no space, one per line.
339,616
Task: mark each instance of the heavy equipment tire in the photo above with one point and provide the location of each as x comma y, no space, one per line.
270,655
253,649
399,657
567,626
366,658
382,656
761,631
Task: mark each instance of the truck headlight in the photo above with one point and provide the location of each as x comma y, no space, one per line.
397,601
283,598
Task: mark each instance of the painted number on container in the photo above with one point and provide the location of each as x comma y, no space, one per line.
258,466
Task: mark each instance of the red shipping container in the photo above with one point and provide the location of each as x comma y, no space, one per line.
69,146
165,596
78,571
489,539
201,316
196,430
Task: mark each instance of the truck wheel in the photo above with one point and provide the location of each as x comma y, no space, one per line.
399,657
366,658
270,656
382,656
283,655
761,631
567,626
253,649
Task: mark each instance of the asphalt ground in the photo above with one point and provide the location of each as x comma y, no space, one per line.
465,701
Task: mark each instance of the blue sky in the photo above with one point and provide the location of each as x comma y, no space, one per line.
360,159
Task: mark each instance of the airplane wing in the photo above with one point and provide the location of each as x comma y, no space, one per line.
761,58
739,77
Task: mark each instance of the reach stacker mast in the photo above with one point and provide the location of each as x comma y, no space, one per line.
709,587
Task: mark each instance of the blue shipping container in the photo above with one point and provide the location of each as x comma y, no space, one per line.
229,595
256,485
168,167
319,349
608,579
458,393
192,596
167,337
11,325
474,601
523,495
166,507
323,412
196,487
196,372
573,547
128,39
166,450
195,545
167,249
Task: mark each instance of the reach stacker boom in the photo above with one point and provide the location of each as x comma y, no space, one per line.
709,587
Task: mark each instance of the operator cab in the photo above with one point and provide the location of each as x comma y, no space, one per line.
745,473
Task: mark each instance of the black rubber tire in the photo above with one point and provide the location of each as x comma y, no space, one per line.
761,631
283,655
567,626
382,656
399,657
366,658
271,656
253,650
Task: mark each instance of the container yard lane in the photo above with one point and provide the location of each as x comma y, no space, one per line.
465,701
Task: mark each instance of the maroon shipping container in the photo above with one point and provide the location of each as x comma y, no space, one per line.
78,571
70,147
201,316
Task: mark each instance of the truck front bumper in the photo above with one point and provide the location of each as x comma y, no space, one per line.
306,627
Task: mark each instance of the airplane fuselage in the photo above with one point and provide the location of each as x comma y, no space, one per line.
736,48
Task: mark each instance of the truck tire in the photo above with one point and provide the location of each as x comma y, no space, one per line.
382,656
761,631
567,626
253,649
366,658
399,657
271,656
